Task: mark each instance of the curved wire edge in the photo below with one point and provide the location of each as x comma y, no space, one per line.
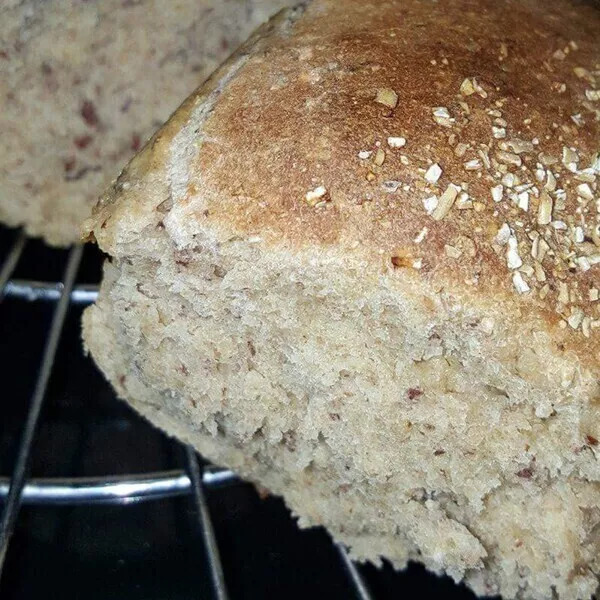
119,489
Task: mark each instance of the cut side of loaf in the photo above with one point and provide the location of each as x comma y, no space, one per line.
85,84
360,267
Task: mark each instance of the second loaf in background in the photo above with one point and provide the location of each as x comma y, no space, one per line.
84,84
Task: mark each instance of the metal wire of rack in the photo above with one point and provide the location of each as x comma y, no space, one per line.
18,489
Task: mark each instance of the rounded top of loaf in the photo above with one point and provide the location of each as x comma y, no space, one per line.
457,141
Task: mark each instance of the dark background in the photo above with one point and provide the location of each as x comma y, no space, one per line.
150,550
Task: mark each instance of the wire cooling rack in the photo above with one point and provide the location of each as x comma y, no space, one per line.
17,489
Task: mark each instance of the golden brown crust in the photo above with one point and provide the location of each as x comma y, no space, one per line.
495,93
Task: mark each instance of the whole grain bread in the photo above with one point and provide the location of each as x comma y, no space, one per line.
84,84
360,266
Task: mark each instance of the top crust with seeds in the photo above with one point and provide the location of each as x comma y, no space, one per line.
292,115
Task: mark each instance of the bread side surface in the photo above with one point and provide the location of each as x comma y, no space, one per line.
84,84
280,297
399,418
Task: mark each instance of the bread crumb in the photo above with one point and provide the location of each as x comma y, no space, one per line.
430,204
585,191
463,201
497,193
575,318
387,97
391,186
467,88
314,197
519,283
421,235
503,234
461,149
509,158
452,252
445,202
545,209
396,142
442,117
593,95
433,174
513,260
473,165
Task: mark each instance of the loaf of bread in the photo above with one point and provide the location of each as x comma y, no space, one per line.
83,84
361,267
